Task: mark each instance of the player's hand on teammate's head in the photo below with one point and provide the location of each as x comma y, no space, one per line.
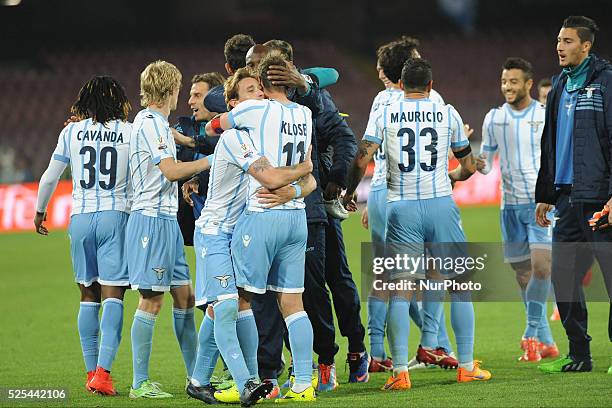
273,198
540,214
364,218
287,76
190,186
468,130
39,218
71,119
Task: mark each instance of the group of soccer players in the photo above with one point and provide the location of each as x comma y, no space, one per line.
251,235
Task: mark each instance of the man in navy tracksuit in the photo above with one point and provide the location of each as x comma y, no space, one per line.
575,177
193,144
325,258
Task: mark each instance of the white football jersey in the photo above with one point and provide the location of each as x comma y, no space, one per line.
281,133
385,97
417,134
516,136
151,142
98,157
228,182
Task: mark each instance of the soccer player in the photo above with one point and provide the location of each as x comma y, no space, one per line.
234,328
193,144
544,87
420,208
156,260
514,131
326,263
390,60
325,260
268,245
96,146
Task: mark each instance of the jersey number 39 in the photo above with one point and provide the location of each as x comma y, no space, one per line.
107,167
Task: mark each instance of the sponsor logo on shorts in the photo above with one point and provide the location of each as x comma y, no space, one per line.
159,272
246,240
203,252
145,241
223,280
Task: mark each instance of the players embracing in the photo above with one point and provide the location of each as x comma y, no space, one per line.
417,134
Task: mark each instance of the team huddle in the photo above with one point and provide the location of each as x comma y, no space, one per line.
260,159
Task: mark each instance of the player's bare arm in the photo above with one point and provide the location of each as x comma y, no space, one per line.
275,177
280,196
181,139
46,188
365,153
467,165
175,171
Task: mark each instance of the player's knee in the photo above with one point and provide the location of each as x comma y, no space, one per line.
290,303
541,269
150,301
90,293
116,292
183,297
245,296
523,272
243,304
381,295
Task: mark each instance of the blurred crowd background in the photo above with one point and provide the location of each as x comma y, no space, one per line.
49,48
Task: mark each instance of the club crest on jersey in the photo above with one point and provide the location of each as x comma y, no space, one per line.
589,91
223,280
159,272
145,241
246,240
535,124
161,145
246,152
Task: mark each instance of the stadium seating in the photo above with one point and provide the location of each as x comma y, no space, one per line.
36,99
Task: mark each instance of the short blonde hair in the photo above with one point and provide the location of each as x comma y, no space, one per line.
157,82
230,88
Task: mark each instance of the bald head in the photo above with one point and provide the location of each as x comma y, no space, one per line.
256,54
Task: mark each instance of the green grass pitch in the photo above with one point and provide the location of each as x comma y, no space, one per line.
40,346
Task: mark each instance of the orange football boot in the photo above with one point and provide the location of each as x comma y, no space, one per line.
532,353
549,350
477,374
102,383
399,383
90,375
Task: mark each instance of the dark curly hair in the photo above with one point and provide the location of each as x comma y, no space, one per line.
391,56
102,99
235,50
